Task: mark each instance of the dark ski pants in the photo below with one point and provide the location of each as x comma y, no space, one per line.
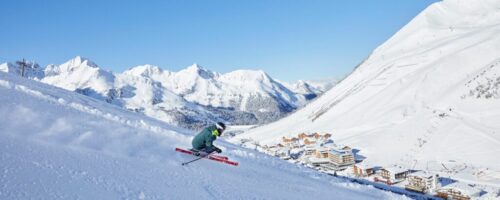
205,149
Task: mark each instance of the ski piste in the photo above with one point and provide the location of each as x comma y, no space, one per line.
222,159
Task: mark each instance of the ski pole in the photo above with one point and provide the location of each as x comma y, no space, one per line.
185,163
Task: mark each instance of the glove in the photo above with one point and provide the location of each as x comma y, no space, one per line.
218,150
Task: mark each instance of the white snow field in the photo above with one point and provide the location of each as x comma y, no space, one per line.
426,99
57,144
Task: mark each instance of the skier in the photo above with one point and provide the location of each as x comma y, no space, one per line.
203,142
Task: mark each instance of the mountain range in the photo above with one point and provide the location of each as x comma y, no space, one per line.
190,98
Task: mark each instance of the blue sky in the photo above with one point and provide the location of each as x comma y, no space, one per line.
291,40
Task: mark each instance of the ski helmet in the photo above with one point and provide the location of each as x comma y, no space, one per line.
220,127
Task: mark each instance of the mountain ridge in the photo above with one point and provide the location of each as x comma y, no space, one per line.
191,97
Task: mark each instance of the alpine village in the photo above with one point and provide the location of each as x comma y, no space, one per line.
319,151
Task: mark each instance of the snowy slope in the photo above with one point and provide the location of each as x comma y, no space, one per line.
189,98
425,99
56,144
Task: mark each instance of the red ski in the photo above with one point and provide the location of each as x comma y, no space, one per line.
222,159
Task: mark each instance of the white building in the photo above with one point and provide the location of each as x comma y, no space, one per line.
422,181
283,153
459,191
309,150
341,158
363,169
393,174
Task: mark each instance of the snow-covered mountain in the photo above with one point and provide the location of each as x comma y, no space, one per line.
80,74
136,93
56,144
425,99
247,91
310,89
189,98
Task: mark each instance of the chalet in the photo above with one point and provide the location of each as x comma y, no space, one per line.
341,158
283,153
314,135
346,148
302,136
314,138
422,182
393,174
309,150
321,153
272,150
291,142
320,159
459,191
363,170
310,141
325,137
286,140
295,143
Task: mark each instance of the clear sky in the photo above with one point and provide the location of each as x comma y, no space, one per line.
289,39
